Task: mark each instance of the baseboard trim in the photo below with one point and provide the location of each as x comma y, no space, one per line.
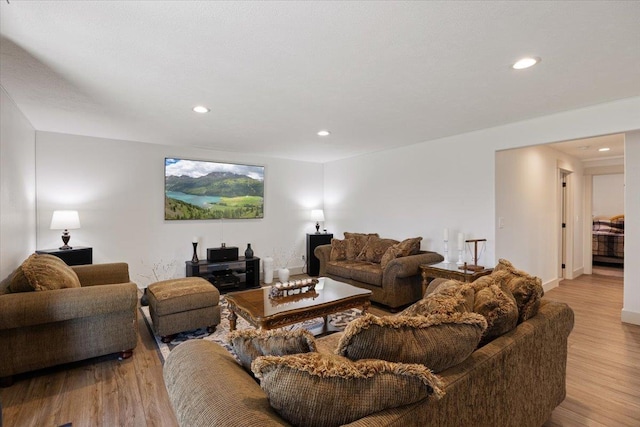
550,285
632,317
578,272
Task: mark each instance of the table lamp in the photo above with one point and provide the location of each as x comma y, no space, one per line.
65,220
317,215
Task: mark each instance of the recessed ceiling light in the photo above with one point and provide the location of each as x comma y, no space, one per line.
200,109
525,63
604,149
324,133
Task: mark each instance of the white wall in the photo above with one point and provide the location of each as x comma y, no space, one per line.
528,201
631,305
17,186
608,195
450,182
118,189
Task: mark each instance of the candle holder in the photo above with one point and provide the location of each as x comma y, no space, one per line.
460,261
446,252
194,259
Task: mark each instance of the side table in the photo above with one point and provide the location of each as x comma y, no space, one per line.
78,255
449,271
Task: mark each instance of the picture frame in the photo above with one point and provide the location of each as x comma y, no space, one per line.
205,190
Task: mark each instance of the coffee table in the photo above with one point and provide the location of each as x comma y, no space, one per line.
263,312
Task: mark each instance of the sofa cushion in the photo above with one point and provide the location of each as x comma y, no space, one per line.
251,343
525,288
374,249
499,307
359,239
339,249
41,272
367,272
341,268
315,389
437,341
407,247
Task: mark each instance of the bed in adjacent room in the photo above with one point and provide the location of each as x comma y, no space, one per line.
608,240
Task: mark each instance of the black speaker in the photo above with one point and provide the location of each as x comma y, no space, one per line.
227,253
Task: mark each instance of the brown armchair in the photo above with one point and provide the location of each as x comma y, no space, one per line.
40,329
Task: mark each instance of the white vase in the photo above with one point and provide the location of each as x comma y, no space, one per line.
283,274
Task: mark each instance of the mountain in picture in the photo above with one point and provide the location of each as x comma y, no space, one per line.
209,190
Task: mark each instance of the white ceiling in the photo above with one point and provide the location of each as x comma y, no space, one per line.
378,75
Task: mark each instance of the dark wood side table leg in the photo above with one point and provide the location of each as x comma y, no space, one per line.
232,319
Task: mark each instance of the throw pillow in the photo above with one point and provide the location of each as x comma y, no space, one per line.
525,288
360,239
437,341
338,249
456,298
499,307
407,247
317,389
251,343
41,272
374,249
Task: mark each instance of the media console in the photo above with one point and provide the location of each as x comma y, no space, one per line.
227,276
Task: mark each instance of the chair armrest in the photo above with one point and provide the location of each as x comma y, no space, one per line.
323,253
40,307
102,274
410,265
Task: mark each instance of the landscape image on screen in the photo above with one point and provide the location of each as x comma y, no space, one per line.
208,190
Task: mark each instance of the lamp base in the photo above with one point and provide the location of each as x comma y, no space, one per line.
65,239
317,227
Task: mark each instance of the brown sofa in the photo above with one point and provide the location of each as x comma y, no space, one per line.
515,380
43,328
395,285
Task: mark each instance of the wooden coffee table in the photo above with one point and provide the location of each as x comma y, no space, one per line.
261,311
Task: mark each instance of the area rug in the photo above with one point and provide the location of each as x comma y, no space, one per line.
337,321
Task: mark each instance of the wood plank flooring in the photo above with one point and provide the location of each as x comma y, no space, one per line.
603,379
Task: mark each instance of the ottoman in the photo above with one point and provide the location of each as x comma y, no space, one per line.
179,305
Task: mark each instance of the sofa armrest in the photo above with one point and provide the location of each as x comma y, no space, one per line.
207,387
40,307
323,253
102,274
410,265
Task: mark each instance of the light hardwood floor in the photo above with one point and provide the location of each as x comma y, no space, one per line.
603,379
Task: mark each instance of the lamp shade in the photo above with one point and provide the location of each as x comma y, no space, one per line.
317,215
65,220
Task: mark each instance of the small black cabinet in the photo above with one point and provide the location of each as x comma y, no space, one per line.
227,276
313,241
78,255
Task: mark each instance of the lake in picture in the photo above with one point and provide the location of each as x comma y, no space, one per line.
201,201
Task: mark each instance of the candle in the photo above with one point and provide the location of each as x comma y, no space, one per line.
460,241
195,240
446,234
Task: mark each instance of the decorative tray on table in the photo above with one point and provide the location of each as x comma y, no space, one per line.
292,287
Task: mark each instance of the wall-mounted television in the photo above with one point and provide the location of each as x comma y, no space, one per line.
197,189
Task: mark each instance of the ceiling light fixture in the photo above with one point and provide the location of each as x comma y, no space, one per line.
525,63
324,133
200,109
604,149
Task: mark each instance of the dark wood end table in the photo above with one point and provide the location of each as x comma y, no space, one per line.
449,271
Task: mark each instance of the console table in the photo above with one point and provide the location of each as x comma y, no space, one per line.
243,273
449,271
78,255
313,241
